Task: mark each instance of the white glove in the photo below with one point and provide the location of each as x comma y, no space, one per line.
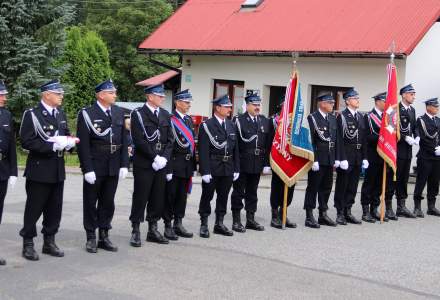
90,177
417,140
266,170
12,181
169,177
207,178
160,161
437,151
71,142
123,173
315,166
365,164
59,142
336,164
155,166
409,140
344,165
236,175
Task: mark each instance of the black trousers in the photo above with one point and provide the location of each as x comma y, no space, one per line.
176,194
346,186
372,186
221,185
277,192
46,199
245,187
428,171
99,203
3,190
319,183
149,193
398,187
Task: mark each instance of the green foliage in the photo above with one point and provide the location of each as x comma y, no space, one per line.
86,60
123,27
31,37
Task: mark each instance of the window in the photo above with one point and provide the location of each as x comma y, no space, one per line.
335,90
235,91
276,96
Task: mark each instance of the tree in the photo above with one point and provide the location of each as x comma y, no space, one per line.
31,38
87,63
123,26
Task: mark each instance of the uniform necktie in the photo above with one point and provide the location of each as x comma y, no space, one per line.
54,113
108,114
224,125
156,113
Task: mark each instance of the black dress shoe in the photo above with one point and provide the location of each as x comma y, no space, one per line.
402,211
433,211
389,213
290,224
236,222
366,216
50,248
311,223
169,233
135,239
204,231
28,250
251,223
104,241
324,219
418,213
222,229
154,235
180,230
350,218
2,262
310,219
276,221
340,219
375,214
91,245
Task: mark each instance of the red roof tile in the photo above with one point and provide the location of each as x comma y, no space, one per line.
307,26
158,79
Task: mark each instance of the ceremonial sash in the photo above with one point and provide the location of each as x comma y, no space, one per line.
375,119
185,131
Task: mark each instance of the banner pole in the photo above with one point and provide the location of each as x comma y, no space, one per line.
284,207
382,196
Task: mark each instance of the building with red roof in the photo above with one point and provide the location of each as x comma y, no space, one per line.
230,46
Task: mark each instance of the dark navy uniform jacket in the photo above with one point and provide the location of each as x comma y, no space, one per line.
429,131
8,153
351,146
323,137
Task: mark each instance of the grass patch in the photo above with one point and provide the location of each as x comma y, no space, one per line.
70,159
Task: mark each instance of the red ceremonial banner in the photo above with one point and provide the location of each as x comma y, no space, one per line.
389,130
289,167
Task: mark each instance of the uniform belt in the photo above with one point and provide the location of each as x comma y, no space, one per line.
326,144
187,156
159,146
224,158
256,151
111,148
357,146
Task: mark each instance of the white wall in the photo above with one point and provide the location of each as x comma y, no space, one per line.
368,76
423,68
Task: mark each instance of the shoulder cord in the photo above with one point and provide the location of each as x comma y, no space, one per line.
38,129
345,130
213,141
320,132
254,137
431,136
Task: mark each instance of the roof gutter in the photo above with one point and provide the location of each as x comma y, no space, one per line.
273,53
